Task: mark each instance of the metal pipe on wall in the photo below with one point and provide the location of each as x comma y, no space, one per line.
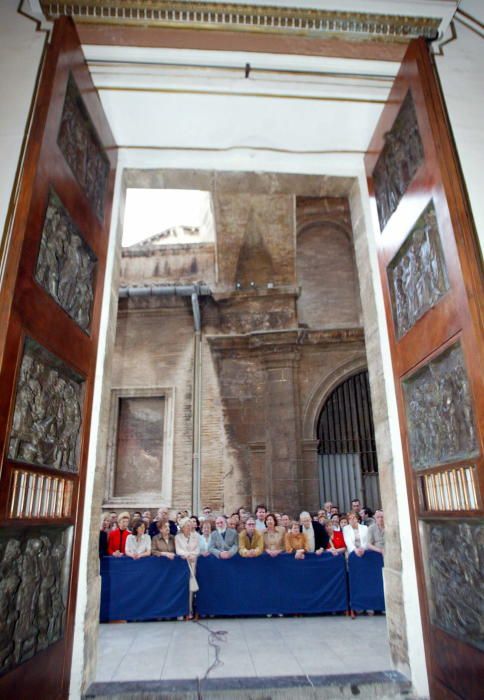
194,291
197,406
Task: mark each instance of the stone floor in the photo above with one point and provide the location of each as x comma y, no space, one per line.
250,648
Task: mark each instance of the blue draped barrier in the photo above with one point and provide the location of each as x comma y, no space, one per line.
266,585
145,589
366,581
154,588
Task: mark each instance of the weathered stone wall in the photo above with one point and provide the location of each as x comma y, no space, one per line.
326,269
394,594
154,348
266,354
183,263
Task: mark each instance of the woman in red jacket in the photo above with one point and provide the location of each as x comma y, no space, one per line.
117,538
336,543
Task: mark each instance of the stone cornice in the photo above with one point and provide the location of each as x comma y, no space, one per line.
246,18
263,341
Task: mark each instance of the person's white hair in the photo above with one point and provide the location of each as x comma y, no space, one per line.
183,522
304,514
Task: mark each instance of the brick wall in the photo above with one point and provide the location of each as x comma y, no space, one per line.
267,355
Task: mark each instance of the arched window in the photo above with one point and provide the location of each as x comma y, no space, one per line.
347,453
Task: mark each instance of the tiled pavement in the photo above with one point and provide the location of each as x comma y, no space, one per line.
252,647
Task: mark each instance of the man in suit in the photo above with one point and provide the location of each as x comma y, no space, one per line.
223,540
315,533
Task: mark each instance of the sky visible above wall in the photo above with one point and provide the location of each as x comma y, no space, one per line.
180,216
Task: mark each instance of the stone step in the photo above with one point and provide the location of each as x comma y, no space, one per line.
380,685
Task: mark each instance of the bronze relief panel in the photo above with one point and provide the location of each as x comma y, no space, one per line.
65,264
454,565
417,275
82,150
440,419
47,420
34,568
399,160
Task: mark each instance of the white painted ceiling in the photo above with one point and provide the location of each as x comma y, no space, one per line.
201,100
166,104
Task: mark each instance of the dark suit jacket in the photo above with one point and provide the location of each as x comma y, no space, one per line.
321,537
153,528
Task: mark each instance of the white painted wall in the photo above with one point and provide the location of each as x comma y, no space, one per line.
461,74
114,246
21,49
360,202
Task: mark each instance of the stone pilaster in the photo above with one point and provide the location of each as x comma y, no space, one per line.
282,427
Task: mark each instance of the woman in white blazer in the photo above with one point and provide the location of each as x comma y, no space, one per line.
356,535
187,544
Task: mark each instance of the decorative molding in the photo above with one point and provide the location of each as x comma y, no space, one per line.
317,398
161,496
291,337
245,18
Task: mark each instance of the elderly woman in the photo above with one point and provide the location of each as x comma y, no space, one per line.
163,544
273,536
117,537
138,545
295,541
355,535
187,545
103,534
204,538
336,544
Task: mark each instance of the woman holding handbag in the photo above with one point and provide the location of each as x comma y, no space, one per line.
187,544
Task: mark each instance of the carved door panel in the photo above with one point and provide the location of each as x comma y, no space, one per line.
50,301
431,274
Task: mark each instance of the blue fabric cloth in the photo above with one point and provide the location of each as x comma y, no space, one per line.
266,585
143,589
366,581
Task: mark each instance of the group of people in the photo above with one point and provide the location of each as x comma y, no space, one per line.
139,535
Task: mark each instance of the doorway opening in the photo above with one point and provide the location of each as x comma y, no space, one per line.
348,462
267,345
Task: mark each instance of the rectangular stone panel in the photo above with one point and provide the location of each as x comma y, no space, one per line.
139,454
454,562
82,149
47,420
440,420
399,160
417,275
65,264
35,566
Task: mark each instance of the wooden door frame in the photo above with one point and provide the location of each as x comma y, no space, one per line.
63,58
459,315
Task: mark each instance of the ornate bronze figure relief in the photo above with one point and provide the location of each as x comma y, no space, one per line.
33,582
82,150
417,275
399,160
65,264
47,420
438,405
454,578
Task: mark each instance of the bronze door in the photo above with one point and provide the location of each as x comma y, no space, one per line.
50,302
431,273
